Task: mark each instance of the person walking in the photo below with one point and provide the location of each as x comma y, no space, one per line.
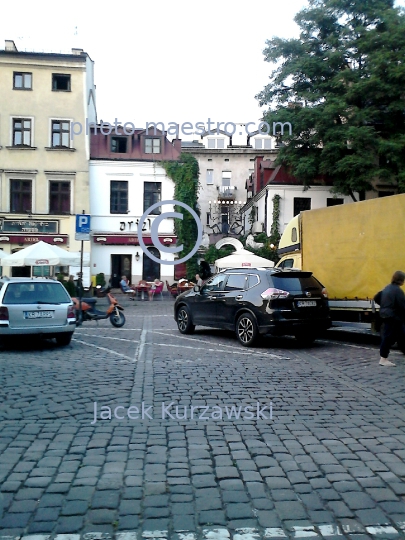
392,312
198,280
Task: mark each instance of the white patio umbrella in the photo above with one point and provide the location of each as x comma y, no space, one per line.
242,258
41,254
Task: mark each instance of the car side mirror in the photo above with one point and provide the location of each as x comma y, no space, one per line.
196,288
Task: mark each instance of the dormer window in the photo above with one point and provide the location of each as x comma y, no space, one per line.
119,145
262,144
152,146
216,143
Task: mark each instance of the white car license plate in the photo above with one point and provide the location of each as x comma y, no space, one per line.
306,303
38,314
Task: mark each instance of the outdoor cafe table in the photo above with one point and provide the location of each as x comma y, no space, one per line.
143,287
186,287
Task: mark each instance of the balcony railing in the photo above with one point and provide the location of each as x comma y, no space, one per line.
227,192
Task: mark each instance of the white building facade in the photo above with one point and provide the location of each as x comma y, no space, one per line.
293,199
120,193
225,163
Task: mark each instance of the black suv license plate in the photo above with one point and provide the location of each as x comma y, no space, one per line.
306,303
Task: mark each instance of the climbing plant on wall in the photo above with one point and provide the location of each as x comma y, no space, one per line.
185,173
269,250
275,224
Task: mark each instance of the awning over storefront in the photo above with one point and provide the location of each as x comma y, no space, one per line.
130,239
57,239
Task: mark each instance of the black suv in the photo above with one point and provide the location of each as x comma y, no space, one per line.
257,301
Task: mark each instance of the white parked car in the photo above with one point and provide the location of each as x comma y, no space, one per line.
36,306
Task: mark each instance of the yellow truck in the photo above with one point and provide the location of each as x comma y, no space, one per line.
352,249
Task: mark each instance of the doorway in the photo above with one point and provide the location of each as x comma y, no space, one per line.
121,265
151,269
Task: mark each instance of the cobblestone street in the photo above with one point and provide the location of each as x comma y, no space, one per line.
273,442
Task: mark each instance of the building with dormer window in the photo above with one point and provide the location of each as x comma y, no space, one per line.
225,161
127,178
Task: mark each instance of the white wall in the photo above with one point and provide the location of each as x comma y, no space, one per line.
317,194
135,173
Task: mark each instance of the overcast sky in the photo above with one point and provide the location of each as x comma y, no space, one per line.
162,61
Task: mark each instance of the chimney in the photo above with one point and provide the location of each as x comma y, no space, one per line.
77,52
177,144
10,46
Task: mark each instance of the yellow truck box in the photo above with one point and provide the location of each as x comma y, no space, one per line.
352,249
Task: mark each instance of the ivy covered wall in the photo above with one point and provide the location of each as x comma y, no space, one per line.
185,175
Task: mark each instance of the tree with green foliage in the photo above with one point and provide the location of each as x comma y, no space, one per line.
212,253
341,87
185,173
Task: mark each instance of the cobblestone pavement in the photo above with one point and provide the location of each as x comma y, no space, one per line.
325,459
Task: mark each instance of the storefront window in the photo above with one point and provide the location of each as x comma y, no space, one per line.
38,271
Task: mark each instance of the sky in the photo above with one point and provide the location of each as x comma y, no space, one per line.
161,61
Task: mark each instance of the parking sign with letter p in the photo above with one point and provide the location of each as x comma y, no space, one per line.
82,227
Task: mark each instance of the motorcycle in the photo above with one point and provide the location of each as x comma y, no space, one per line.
90,313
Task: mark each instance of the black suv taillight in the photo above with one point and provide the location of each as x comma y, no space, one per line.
272,293
4,314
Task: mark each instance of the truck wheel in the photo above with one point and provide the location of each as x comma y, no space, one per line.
246,330
117,320
64,339
183,319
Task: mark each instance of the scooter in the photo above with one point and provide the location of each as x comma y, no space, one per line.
90,313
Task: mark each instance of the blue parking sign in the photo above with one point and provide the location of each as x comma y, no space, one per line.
82,227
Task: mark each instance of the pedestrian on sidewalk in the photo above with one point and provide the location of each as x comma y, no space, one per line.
392,312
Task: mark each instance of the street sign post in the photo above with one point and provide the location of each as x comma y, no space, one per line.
82,227
82,234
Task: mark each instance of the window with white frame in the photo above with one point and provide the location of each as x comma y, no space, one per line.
226,178
22,132
258,144
59,197
22,80
152,194
210,176
152,146
20,196
60,134
216,143
263,144
118,197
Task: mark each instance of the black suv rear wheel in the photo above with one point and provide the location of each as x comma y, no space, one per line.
183,319
246,330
